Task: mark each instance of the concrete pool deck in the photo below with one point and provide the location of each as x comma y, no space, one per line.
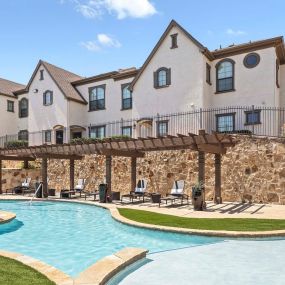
225,210
6,217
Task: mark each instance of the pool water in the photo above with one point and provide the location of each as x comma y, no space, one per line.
72,236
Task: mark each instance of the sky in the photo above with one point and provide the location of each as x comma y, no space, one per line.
90,37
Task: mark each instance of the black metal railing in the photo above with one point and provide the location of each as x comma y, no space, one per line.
258,121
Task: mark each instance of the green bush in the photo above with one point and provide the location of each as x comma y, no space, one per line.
91,140
16,144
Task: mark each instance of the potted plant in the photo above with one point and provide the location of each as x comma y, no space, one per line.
198,196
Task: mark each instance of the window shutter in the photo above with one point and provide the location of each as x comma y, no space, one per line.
155,79
51,98
168,76
44,99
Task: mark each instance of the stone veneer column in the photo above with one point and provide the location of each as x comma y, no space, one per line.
1,177
44,177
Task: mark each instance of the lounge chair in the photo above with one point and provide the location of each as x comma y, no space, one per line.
79,188
139,192
177,192
25,187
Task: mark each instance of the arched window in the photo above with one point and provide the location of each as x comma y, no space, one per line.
162,77
126,97
48,98
225,75
23,108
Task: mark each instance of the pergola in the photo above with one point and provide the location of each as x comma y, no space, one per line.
203,143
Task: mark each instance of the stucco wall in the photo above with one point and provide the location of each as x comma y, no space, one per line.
253,86
187,77
253,171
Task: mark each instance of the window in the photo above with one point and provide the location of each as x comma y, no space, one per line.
277,74
48,98
174,41
208,73
41,74
225,75
252,117
23,135
97,132
162,128
225,122
126,97
251,60
127,131
10,106
77,135
23,108
47,136
162,77
97,98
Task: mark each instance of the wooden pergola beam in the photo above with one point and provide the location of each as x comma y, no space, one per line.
59,156
17,158
125,153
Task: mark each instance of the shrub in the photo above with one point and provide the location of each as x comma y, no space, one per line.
16,144
92,140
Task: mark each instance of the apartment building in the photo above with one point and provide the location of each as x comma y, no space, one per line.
182,86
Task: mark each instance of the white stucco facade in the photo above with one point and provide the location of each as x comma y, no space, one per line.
188,90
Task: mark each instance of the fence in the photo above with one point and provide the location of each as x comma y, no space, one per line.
258,121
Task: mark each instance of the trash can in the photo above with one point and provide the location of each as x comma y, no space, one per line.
103,193
39,192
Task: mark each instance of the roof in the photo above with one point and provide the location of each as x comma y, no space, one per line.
116,75
8,87
63,80
276,42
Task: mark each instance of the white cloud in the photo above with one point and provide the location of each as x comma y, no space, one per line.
107,41
232,32
103,41
131,8
91,46
121,8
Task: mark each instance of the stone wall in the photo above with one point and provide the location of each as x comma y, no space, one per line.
12,177
253,170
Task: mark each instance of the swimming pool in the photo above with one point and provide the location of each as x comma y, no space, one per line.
72,236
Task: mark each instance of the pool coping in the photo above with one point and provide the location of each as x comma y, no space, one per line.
6,217
97,274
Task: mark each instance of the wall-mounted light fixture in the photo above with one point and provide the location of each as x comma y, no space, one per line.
35,90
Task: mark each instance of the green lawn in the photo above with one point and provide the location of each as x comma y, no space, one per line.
13,272
226,224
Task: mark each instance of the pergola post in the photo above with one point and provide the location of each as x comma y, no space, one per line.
71,173
44,177
109,173
218,178
1,190
201,172
133,173
26,164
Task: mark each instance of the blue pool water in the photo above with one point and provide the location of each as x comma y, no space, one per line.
72,236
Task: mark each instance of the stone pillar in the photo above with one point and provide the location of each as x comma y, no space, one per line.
133,173
71,174
109,173
1,189
201,173
44,177
218,178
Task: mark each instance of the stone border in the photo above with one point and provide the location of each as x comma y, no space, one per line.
6,217
49,271
97,274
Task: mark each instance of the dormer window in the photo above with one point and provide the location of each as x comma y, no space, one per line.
47,98
162,77
174,41
42,74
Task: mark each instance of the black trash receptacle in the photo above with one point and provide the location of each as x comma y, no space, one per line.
51,192
103,193
39,193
